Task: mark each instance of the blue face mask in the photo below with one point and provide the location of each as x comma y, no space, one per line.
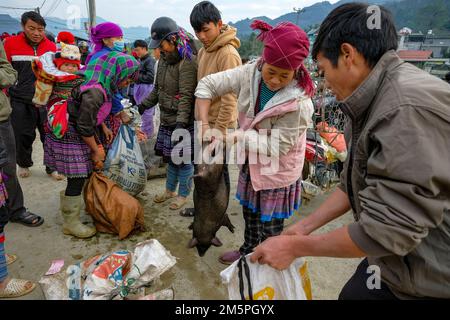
119,46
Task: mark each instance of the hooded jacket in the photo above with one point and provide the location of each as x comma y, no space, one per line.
221,55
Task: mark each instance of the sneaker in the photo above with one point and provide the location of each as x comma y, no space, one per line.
229,257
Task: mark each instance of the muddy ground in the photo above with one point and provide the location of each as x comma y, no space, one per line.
191,278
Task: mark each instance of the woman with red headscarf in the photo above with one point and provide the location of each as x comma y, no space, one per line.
275,108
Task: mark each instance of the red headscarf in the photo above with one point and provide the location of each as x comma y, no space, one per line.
286,46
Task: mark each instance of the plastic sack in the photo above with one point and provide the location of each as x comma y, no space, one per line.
58,118
332,136
262,282
124,163
112,209
112,276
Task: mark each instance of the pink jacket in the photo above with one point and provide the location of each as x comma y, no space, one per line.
288,168
286,116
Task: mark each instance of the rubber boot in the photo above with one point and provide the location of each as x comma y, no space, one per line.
70,209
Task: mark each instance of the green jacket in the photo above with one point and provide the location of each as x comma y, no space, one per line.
176,80
8,76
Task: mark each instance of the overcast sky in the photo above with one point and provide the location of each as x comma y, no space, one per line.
130,13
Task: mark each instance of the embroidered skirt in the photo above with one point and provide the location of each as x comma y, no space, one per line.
278,203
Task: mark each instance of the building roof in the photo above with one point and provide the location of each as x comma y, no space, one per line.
415,55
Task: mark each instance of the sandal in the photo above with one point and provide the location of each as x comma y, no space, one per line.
229,257
163,197
178,203
10,258
28,219
56,176
187,212
17,288
24,172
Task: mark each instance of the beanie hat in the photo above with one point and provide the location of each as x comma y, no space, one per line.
66,37
68,54
286,46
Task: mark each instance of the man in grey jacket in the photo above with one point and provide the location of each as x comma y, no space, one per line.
16,211
396,179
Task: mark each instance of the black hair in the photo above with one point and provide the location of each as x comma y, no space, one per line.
140,44
50,36
204,12
34,16
349,23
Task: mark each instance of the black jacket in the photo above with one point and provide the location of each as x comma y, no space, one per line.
146,70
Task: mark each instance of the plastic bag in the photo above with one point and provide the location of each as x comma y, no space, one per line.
112,209
124,163
58,118
112,276
262,282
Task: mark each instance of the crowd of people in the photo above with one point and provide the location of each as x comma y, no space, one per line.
395,179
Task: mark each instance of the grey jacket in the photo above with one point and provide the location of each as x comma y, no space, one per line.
397,176
8,76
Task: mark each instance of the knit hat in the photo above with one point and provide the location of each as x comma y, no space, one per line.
68,54
66,37
286,46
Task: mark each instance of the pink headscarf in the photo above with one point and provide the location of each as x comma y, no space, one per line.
286,46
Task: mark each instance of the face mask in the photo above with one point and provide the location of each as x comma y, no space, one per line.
119,46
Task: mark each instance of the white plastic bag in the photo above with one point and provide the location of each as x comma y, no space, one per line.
124,163
116,275
267,283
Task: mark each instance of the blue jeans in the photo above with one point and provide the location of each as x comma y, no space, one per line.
181,174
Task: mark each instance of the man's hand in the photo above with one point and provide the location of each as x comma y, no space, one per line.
295,229
275,251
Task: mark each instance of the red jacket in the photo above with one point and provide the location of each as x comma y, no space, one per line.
20,53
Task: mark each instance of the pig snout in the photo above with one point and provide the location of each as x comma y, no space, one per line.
203,247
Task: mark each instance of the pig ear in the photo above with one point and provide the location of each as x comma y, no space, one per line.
193,243
216,242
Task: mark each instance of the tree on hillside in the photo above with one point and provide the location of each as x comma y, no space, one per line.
434,16
250,47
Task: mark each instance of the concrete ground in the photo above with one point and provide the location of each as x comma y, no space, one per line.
191,278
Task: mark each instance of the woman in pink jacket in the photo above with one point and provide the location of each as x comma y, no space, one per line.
275,108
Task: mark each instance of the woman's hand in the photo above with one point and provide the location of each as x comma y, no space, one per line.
108,133
124,117
98,157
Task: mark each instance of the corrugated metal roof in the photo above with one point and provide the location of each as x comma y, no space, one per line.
416,55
